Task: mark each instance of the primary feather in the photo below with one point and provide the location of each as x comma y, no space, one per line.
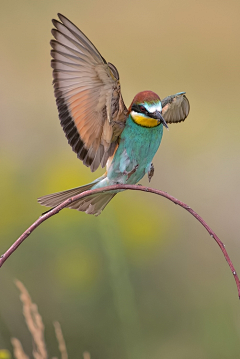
175,108
88,95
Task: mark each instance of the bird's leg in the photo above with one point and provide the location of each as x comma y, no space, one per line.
150,172
130,172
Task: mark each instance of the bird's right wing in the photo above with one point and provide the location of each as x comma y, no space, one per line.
88,95
175,108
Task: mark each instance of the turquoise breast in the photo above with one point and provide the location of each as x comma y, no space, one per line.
137,146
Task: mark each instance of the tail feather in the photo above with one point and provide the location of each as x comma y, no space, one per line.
54,199
93,204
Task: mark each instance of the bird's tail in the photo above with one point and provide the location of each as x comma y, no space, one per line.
93,204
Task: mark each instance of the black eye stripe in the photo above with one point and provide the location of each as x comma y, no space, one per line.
140,109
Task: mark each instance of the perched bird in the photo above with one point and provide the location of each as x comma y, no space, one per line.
96,122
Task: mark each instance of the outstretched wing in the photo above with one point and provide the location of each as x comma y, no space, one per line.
88,95
175,108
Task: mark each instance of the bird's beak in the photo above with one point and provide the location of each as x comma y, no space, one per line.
158,116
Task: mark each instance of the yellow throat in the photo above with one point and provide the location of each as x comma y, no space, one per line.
143,120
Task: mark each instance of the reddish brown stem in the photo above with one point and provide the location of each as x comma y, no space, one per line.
58,208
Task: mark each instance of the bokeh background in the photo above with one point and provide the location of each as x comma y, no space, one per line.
144,279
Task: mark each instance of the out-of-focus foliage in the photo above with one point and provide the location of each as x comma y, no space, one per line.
5,354
143,280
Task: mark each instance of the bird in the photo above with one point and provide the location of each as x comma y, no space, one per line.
98,126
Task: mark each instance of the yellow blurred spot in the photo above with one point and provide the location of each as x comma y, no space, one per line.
5,354
80,267
62,174
142,225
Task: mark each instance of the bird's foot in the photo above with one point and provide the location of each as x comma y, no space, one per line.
130,172
151,172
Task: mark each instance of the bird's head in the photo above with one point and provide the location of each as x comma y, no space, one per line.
146,109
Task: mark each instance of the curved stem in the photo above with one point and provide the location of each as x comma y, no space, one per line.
64,204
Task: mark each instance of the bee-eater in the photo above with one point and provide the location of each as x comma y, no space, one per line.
96,122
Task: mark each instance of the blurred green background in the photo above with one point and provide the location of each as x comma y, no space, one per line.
144,279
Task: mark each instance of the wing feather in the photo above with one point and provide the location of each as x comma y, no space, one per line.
175,108
87,90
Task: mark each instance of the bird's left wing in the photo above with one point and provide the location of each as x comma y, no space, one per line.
88,95
175,108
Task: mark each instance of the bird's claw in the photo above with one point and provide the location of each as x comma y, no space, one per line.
151,172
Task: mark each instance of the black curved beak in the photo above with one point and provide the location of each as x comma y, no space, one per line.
158,116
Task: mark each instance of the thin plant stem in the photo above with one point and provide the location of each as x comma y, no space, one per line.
64,204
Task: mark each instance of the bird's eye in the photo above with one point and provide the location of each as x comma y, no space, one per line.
142,109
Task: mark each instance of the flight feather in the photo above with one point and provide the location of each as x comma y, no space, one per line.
175,108
88,95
